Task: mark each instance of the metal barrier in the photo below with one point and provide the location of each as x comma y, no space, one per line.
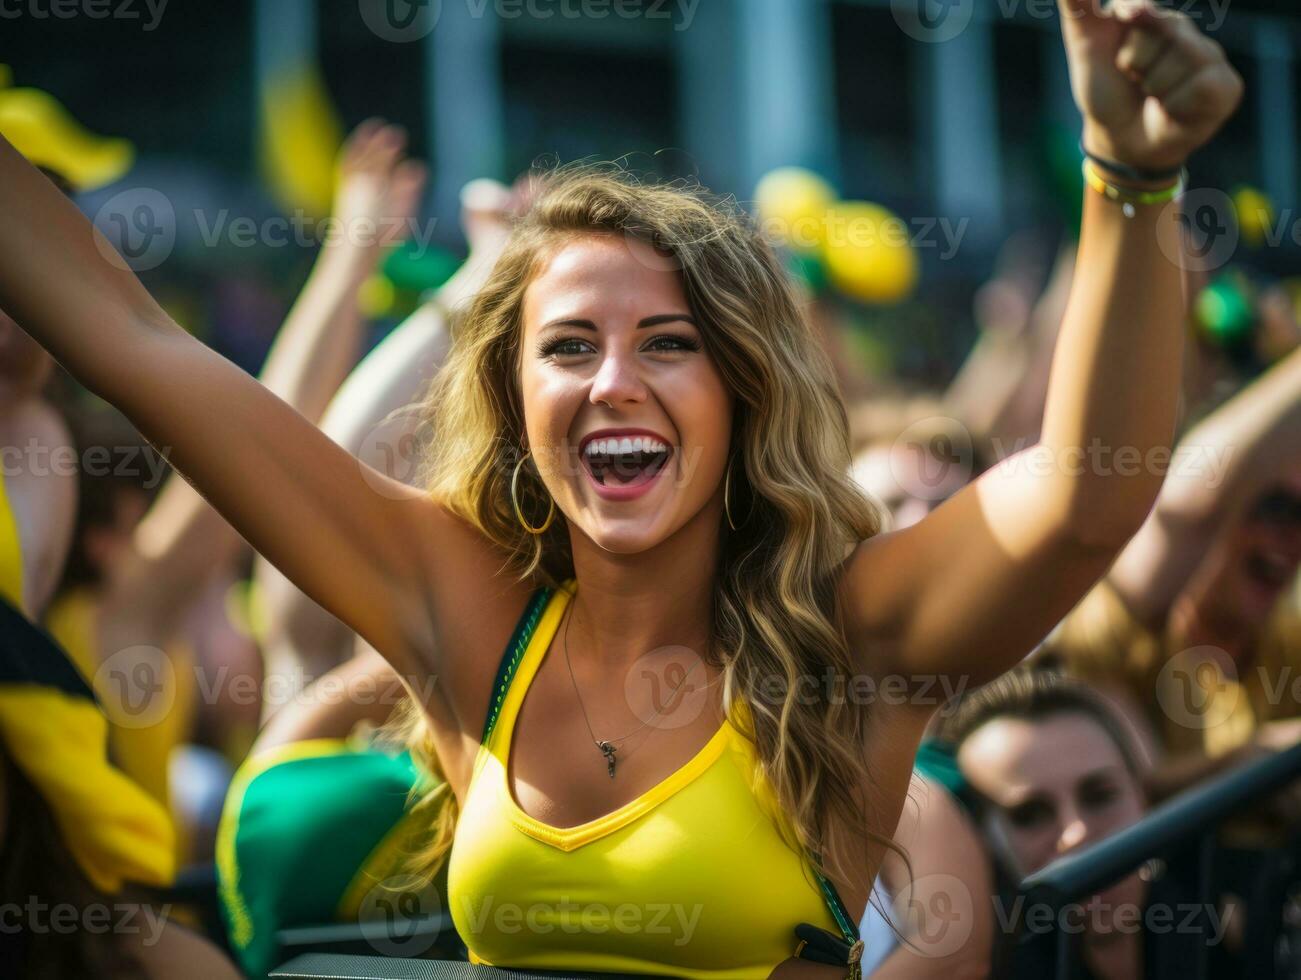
1183,833
318,966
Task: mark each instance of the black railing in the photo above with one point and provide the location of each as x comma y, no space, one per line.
316,966
1182,834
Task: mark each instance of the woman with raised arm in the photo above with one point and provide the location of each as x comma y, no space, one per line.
639,491
1196,628
123,616
376,416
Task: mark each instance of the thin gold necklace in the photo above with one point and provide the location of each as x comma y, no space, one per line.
607,745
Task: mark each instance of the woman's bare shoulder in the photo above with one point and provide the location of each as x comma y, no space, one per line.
476,600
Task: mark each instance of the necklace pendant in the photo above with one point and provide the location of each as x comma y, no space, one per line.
608,751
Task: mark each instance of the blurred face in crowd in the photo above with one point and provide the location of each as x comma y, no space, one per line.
1053,785
108,544
1258,559
610,343
910,480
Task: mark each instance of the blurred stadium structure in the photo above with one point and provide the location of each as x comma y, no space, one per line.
940,110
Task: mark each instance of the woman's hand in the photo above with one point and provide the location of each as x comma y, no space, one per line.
1151,86
379,188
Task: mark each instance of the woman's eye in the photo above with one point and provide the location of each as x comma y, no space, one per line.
573,347
563,348
671,342
1028,814
1097,795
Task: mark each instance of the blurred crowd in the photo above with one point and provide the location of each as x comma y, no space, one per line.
222,683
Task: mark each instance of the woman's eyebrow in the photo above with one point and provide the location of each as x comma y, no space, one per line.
655,321
650,321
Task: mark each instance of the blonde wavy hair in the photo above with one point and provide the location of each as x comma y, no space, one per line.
775,610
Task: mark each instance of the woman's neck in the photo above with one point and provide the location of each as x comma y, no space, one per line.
629,605
1116,956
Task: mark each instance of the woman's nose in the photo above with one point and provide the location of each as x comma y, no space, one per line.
617,381
1074,833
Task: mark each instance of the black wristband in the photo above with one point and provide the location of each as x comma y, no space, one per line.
1132,173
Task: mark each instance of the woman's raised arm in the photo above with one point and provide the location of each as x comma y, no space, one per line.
972,587
181,540
348,536
1229,458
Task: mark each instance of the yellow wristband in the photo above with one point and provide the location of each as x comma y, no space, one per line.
1128,197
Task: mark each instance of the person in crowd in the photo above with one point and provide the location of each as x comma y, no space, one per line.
998,393
39,495
930,916
138,567
726,546
1196,629
915,457
80,842
1054,770
78,837
376,416
38,486
362,812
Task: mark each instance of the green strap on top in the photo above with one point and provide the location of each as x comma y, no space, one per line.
510,661
848,927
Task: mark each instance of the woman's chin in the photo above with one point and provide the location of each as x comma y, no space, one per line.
625,537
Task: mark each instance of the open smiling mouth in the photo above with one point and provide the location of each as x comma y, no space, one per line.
625,469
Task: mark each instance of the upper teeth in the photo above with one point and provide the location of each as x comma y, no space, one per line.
608,447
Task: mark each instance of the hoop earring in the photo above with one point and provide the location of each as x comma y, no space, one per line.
514,499
727,493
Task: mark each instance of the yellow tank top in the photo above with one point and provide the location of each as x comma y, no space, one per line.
691,879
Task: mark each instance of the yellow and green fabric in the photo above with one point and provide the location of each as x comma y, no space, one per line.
55,733
11,554
143,751
43,131
309,830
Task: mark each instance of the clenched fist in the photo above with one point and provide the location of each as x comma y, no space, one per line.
1152,87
